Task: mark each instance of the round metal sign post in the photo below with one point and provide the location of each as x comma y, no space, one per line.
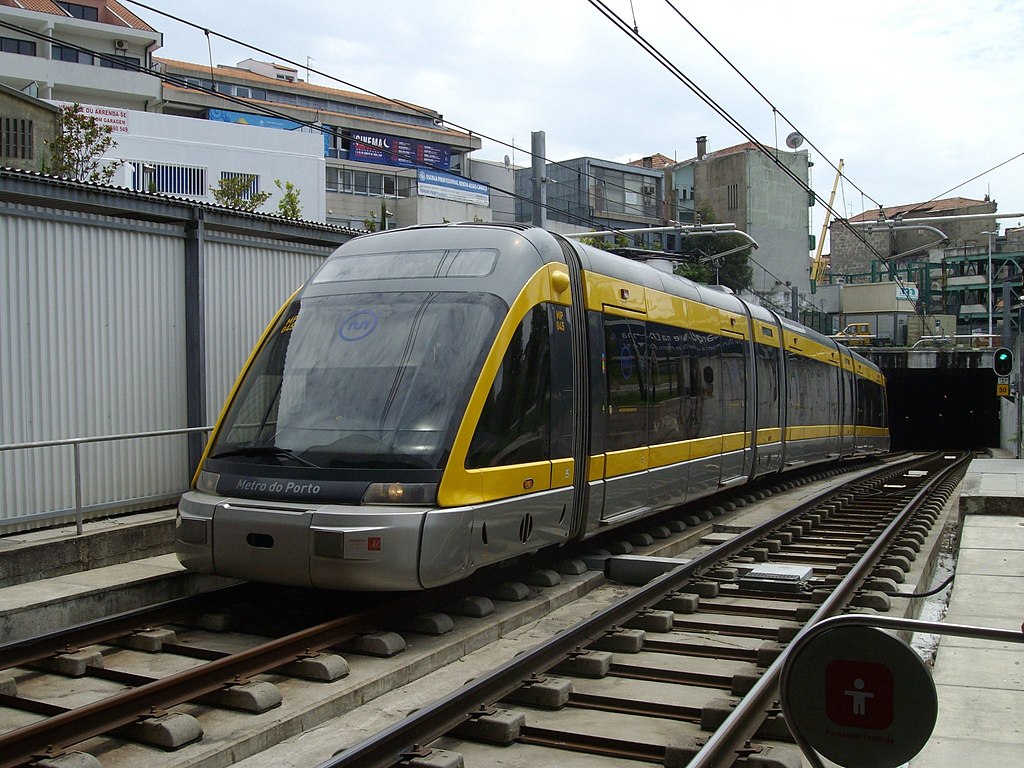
859,696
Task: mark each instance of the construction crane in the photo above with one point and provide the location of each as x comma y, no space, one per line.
818,264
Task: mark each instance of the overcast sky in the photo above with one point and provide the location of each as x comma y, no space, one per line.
916,97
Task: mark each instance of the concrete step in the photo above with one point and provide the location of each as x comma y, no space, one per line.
44,554
55,578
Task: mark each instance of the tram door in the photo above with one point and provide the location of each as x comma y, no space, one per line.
732,395
626,375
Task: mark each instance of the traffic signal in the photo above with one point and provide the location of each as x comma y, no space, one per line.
1002,362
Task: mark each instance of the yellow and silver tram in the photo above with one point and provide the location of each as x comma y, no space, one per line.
440,398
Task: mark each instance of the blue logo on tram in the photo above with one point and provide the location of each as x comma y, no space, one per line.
358,325
626,362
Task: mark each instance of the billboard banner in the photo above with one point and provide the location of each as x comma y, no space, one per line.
260,121
390,150
448,187
114,117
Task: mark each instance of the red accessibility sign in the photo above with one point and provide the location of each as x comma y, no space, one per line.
859,694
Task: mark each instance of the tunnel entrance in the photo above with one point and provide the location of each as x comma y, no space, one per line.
942,408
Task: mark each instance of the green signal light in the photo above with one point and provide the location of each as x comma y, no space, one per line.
1002,362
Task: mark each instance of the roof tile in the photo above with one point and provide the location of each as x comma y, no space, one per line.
929,208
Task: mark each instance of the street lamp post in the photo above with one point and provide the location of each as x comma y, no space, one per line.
989,280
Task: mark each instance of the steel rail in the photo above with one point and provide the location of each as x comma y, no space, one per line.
890,623
721,748
18,653
428,723
22,745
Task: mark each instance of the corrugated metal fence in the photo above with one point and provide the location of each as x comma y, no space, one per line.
125,313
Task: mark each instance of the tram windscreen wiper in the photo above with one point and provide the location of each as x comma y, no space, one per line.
265,450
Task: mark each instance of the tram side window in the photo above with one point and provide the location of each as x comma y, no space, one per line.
703,409
816,395
850,409
823,405
767,363
515,424
798,389
626,377
870,404
668,384
733,389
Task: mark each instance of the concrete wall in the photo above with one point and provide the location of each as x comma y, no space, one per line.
502,181
778,218
769,206
850,256
44,127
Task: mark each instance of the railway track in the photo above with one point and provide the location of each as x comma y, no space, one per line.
708,637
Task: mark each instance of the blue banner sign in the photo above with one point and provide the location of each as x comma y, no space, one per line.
448,187
391,150
258,121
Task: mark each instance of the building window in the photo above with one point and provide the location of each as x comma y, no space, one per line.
16,138
78,11
121,62
367,183
13,45
733,193
254,182
169,179
67,53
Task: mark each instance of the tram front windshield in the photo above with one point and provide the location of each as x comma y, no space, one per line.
371,380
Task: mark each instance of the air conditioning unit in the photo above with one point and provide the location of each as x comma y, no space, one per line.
121,45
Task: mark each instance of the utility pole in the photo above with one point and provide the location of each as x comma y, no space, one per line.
540,197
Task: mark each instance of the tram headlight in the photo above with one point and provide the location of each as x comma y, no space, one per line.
400,493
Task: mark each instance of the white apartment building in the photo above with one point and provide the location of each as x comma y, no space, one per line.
381,158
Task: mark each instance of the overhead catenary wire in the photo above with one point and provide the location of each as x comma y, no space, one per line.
180,82
665,62
816,149
921,206
429,113
775,109
369,92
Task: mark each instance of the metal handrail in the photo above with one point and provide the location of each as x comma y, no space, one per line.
78,442
954,337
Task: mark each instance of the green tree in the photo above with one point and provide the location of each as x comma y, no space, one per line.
733,270
699,273
600,241
78,147
237,192
288,206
